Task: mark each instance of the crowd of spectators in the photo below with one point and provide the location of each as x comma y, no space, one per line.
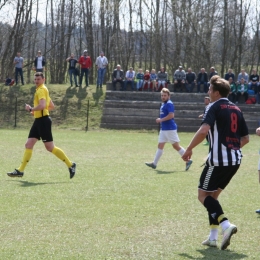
245,89
141,80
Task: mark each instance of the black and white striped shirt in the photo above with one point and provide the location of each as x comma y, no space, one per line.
227,126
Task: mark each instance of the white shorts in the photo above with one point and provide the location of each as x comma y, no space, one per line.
168,136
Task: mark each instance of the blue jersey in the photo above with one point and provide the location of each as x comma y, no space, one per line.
165,109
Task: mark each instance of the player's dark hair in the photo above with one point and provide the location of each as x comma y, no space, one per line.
39,74
220,85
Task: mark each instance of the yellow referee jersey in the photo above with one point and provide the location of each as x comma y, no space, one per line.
41,93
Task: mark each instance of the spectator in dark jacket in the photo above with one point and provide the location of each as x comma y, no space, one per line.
202,79
229,75
118,76
253,81
39,62
212,73
190,80
72,69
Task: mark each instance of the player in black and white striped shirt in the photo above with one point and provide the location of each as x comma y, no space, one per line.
227,133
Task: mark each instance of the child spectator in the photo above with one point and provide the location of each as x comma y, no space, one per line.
140,79
153,78
147,79
233,90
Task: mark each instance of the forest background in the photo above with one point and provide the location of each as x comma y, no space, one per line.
138,33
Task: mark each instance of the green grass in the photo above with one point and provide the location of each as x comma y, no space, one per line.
71,106
116,207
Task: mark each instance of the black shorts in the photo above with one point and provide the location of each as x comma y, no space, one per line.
41,129
216,177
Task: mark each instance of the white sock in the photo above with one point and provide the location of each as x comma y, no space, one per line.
158,155
213,235
181,151
225,224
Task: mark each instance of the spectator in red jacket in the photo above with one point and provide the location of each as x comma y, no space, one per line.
146,79
85,64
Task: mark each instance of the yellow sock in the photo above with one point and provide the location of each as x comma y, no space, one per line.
214,226
26,158
221,217
61,155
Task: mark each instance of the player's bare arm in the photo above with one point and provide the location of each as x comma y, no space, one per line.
168,117
197,139
244,140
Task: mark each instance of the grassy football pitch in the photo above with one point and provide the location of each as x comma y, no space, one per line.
116,207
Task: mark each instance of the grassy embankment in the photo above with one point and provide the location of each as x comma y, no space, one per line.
71,106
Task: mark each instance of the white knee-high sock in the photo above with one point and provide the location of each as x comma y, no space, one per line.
181,151
225,224
213,235
158,155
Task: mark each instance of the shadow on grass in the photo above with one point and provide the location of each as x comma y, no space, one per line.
97,95
70,92
81,95
215,254
164,172
31,184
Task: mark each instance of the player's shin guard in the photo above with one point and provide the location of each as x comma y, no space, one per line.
62,156
26,158
213,207
212,221
213,235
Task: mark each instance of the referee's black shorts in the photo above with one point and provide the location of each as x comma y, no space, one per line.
41,129
216,177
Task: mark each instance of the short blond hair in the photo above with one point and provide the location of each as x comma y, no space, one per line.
165,90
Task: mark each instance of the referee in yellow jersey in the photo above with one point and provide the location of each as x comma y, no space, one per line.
41,128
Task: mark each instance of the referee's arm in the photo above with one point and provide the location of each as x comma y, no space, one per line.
51,106
41,106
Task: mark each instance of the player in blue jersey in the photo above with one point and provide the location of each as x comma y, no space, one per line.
227,133
168,132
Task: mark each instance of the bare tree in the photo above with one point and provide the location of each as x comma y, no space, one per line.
15,38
